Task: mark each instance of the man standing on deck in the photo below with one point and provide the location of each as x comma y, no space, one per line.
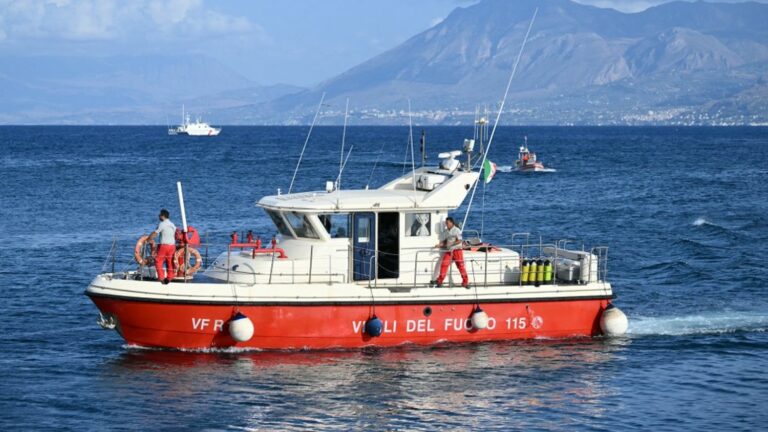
450,241
166,246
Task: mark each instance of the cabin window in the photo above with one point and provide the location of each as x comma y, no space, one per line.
300,225
282,228
363,230
417,225
336,224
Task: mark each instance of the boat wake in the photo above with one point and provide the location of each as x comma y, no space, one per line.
698,324
211,350
700,221
710,227
510,168
704,222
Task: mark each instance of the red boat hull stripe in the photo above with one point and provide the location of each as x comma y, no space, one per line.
350,303
196,326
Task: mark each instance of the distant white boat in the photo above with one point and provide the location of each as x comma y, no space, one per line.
198,128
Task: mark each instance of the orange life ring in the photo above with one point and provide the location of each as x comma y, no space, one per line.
183,265
138,251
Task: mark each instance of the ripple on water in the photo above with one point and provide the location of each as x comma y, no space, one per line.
686,265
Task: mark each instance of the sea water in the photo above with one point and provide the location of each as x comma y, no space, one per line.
684,212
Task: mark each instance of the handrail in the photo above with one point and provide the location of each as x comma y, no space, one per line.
501,264
257,249
111,256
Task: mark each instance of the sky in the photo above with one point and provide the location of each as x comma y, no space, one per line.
299,42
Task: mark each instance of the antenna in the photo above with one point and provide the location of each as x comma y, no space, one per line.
343,139
375,163
301,156
413,159
498,115
405,155
423,146
345,162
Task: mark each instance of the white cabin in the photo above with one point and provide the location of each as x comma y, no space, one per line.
383,237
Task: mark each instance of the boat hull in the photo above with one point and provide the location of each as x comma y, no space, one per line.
328,326
531,167
204,132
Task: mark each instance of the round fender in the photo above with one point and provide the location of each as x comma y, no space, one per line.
613,322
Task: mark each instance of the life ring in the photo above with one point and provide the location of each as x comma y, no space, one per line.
138,251
183,267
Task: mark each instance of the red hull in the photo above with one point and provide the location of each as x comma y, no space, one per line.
200,326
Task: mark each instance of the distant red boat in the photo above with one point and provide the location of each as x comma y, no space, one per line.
527,160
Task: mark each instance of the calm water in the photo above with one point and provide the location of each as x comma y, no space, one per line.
684,211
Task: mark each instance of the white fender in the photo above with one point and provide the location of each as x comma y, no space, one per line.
613,322
241,328
479,319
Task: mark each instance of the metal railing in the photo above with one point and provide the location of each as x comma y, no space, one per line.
328,276
486,265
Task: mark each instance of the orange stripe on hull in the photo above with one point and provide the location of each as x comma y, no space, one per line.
200,326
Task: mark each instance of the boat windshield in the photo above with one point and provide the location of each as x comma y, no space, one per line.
300,225
280,223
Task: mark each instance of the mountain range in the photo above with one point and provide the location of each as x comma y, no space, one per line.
677,63
134,89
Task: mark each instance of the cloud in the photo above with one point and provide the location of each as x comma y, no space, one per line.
623,5
93,20
632,6
172,12
435,21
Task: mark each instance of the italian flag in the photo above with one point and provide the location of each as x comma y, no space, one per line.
489,170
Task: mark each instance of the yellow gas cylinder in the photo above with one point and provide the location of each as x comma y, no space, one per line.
526,269
547,271
532,273
539,272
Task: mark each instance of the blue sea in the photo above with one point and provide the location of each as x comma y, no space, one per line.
684,212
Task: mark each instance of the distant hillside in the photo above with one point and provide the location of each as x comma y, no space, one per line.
679,62
121,89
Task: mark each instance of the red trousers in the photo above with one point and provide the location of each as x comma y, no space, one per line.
165,255
457,256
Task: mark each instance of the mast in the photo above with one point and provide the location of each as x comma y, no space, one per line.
498,114
343,140
301,156
413,159
423,146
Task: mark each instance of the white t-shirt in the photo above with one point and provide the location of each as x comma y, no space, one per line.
450,237
167,232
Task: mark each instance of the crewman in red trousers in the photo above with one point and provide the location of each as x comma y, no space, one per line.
166,246
450,242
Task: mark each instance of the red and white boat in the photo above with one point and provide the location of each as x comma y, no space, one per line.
353,269
527,161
